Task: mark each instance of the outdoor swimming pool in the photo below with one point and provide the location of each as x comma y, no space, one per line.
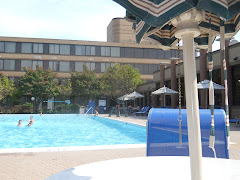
66,130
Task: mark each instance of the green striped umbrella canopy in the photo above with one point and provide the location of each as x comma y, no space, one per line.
165,34
191,19
158,13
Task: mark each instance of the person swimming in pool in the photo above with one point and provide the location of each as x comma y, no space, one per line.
31,121
96,113
19,123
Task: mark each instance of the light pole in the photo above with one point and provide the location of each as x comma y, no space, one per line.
33,98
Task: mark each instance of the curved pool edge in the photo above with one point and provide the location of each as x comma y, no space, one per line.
127,120
74,148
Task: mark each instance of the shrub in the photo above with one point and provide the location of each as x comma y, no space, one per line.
47,111
60,108
29,105
74,108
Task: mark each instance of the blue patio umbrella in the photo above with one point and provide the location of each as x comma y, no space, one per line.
189,17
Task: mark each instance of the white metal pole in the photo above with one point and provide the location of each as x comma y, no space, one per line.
193,120
164,100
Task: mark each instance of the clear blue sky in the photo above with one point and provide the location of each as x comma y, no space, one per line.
59,19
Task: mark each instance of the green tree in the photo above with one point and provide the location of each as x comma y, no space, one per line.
39,83
85,85
7,90
64,89
120,80
7,87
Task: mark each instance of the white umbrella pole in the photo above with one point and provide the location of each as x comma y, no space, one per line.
206,99
187,29
164,100
194,134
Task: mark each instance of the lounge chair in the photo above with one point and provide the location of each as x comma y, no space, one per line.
236,121
143,112
139,111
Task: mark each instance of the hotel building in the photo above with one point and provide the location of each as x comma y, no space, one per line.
154,64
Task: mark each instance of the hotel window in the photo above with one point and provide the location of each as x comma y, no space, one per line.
129,52
167,54
103,69
37,48
152,68
65,49
1,64
104,66
93,53
9,64
90,50
160,54
115,51
80,50
26,48
35,63
146,53
105,51
93,66
54,65
79,66
10,47
64,66
1,46
26,63
139,67
139,53
145,69
112,64
53,48
108,65
90,66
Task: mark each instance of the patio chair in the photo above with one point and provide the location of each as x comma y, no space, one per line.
143,112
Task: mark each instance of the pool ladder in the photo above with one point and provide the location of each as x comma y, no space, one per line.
89,110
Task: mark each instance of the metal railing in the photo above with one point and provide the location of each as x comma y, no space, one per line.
89,110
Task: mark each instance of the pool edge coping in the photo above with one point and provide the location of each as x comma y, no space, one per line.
72,148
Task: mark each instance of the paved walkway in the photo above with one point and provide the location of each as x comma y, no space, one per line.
40,165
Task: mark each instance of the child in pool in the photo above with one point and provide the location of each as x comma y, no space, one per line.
19,123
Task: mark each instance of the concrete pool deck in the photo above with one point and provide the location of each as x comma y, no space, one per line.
40,165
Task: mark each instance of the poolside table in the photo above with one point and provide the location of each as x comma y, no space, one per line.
151,168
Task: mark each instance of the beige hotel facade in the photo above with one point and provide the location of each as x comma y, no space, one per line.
154,64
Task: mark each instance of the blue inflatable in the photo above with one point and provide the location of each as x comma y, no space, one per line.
163,133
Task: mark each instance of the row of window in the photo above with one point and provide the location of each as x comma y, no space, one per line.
82,50
67,66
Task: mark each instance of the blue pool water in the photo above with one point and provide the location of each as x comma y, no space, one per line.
67,130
